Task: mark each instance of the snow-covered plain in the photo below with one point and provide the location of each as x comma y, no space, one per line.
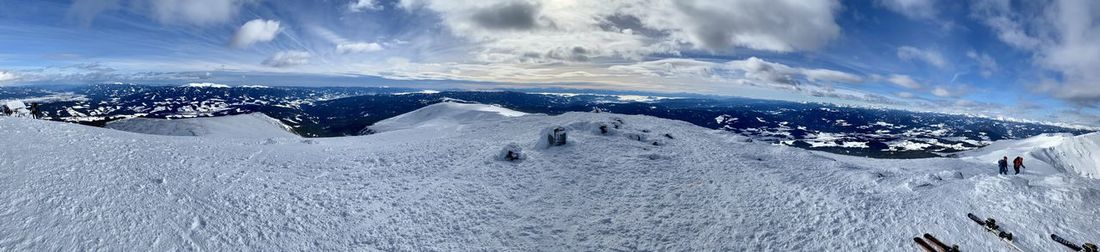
427,185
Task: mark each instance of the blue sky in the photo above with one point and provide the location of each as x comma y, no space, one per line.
1035,60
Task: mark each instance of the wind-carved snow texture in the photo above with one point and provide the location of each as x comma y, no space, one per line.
443,188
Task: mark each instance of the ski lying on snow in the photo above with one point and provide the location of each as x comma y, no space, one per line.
923,245
991,225
1087,247
939,244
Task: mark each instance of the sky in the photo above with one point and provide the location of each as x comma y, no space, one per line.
1032,60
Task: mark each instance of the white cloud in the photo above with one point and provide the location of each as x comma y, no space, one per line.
757,69
343,45
358,47
543,30
914,9
905,95
288,58
941,92
255,31
669,67
987,64
831,75
1006,22
754,70
928,56
1061,36
904,81
361,5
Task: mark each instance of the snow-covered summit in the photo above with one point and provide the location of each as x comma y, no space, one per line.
1047,154
255,125
620,182
444,115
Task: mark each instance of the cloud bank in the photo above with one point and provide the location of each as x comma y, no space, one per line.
555,31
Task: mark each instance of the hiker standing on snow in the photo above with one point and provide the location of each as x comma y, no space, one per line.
1003,164
1018,163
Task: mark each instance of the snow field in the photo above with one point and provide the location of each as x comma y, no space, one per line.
442,188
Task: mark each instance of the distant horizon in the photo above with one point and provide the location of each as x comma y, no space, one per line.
604,92
998,58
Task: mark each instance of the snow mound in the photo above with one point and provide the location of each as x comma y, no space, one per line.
445,115
255,125
1047,154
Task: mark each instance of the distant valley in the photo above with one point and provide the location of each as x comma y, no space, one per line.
343,111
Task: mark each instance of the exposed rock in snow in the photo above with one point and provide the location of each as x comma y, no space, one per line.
1046,154
552,136
512,153
445,115
255,125
428,187
14,108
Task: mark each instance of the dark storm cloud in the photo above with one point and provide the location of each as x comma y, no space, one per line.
508,16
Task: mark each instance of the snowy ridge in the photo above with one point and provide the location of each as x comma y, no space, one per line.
444,115
255,125
642,183
206,85
1047,153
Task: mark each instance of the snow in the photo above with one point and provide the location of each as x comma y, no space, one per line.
424,186
619,98
426,91
1047,154
17,108
725,118
908,145
15,105
445,115
206,85
639,98
254,126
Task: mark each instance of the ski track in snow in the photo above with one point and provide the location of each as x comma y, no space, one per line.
72,187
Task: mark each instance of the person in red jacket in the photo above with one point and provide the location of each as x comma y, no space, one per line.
1017,164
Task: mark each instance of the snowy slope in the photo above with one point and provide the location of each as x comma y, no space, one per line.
255,125
445,115
72,187
1046,154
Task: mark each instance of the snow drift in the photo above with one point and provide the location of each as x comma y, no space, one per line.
445,115
1047,154
255,125
622,182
